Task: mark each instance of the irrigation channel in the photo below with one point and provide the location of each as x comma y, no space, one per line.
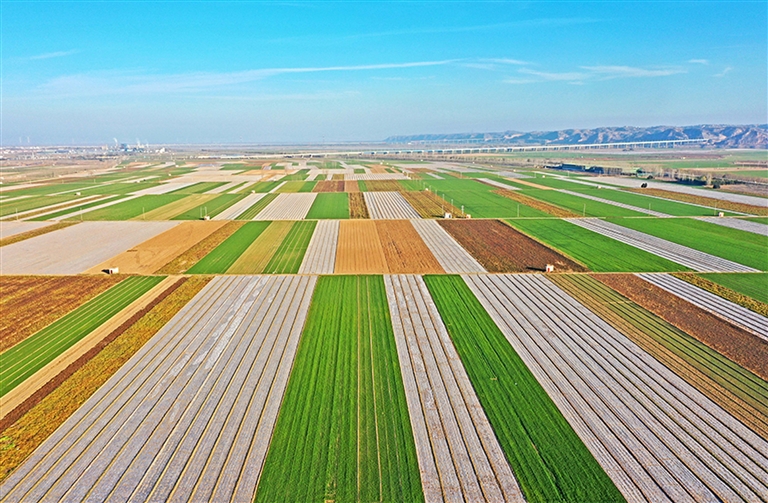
190,416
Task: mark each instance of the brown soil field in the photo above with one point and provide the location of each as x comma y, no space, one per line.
704,201
169,211
30,303
151,255
357,206
404,249
553,210
359,250
256,257
33,233
351,186
740,346
753,414
42,413
726,293
329,186
429,205
500,248
378,169
531,184
193,255
383,186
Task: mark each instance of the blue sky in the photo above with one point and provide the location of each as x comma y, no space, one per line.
203,72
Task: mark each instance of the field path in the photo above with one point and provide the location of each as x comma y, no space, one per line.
695,259
320,257
459,456
190,416
656,436
715,304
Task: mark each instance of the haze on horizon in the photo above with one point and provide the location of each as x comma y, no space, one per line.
232,72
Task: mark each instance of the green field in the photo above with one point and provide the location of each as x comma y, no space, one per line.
224,255
579,205
287,259
132,208
653,203
334,205
75,208
343,433
732,244
257,207
265,186
296,187
33,203
211,208
549,460
599,253
119,188
32,354
753,285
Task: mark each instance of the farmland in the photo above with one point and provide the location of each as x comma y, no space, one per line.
326,334
345,386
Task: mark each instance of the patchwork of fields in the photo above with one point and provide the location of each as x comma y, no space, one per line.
321,331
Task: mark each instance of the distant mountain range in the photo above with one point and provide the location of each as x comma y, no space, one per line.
717,135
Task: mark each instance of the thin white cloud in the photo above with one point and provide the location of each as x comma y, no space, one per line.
50,55
699,61
616,72
508,61
725,72
554,76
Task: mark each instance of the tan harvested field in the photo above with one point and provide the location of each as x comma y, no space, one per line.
193,255
500,248
351,186
29,303
704,201
70,389
359,250
404,249
383,186
151,255
532,185
553,210
77,248
330,186
357,206
733,342
429,205
169,211
38,230
256,257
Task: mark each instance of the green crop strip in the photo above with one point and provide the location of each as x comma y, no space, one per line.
344,433
224,255
287,259
75,208
264,187
549,460
33,353
579,205
257,207
599,253
32,203
653,203
211,208
132,208
753,285
731,244
732,377
334,205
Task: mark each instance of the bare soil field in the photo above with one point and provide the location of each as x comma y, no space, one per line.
77,248
383,186
330,186
704,201
404,249
429,205
351,186
500,248
29,303
553,210
733,342
256,257
193,255
357,207
151,255
359,250
11,228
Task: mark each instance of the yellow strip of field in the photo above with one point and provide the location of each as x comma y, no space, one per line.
169,211
256,257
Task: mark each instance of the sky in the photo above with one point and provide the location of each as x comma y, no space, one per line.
322,72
